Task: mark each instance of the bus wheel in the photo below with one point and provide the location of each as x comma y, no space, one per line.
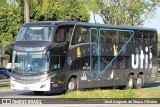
138,83
38,92
72,85
129,82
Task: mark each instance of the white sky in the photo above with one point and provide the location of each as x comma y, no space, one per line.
151,23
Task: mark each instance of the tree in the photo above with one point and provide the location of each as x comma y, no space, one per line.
12,14
26,11
123,12
10,20
45,10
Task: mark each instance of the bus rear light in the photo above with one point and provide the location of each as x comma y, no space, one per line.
53,82
60,82
99,79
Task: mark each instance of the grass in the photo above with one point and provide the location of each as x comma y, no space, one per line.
158,78
134,93
115,93
2,87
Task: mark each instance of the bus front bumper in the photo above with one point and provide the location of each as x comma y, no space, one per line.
34,86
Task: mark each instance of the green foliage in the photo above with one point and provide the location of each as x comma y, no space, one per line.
59,10
10,22
50,10
123,12
158,79
12,14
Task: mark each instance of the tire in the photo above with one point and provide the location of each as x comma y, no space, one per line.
72,85
129,84
138,83
38,92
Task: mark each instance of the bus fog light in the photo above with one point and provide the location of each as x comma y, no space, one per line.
42,86
12,85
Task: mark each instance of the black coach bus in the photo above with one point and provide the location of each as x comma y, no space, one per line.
70,55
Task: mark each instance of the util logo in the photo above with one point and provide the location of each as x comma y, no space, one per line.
140,59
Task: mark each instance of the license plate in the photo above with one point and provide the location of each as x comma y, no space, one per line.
26,88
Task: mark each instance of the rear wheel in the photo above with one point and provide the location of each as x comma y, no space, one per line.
72,85
138,83
129,82
38,92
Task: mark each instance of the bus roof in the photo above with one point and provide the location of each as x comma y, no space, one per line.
50,23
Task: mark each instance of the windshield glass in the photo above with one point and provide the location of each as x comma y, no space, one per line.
35,34
27,61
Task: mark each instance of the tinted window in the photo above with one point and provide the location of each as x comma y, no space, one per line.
57,62
111,37
138,37
76,64
103,36
146,37
94,36
39,33
64,33
124,37
81,35
153,37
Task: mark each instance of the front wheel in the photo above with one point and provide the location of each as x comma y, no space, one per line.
129,82
138,83
72,85
38,92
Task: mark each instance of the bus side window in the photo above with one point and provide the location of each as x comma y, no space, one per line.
81,35
55,62
146,37
124,37
76,64
102,36
63,33
138,38
110,36
86,63
94,36
153,38
121,62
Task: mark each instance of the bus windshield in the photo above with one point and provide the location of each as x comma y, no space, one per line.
35,33
29,62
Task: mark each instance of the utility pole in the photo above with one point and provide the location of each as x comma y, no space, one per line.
26,11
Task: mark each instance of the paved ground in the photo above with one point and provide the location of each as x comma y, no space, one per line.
25,94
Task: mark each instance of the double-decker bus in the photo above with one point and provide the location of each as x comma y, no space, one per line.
70,55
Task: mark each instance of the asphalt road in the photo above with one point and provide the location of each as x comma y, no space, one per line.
26,94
